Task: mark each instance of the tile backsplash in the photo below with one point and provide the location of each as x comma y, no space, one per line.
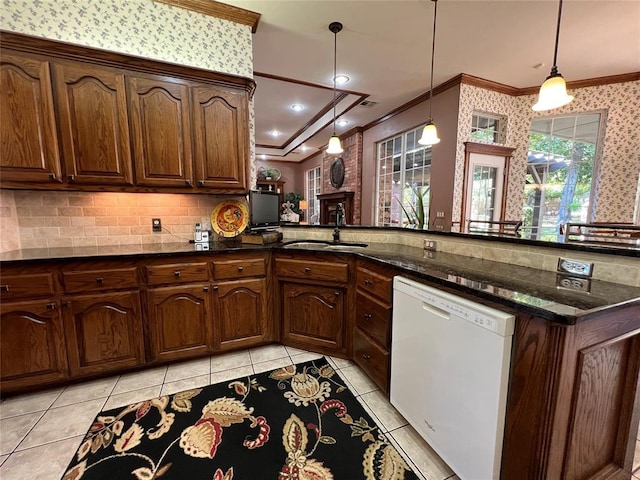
32,219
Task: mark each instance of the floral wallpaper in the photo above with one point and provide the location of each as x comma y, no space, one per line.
620,162
137,27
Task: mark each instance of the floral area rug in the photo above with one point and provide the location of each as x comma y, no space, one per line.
297,422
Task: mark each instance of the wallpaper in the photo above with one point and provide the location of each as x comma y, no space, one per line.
620,162
137,27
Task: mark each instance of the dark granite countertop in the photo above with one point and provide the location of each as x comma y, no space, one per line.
524,289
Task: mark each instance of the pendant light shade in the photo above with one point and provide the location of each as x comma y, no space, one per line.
335,147
430,133
553,92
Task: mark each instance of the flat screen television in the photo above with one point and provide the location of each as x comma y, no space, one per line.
264,210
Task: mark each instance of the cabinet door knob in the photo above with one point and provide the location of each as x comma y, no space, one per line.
201,183
176,273
336,293
240,269
4,288
70,178
215,288
366,356
52,176
367,316
51,306
368,282
99,280
307,269
205,289
187,182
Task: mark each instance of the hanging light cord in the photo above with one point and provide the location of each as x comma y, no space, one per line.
335,54
554,69
433,49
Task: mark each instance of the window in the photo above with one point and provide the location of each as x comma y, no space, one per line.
560,164
312,191
488,128
404,175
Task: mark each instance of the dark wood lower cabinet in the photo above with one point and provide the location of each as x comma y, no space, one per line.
179,322
32,346
103,332
240,313
313,316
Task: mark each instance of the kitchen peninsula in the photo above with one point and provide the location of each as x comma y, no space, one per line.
573,406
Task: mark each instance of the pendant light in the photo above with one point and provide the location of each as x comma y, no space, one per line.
335,147
553,92
430,134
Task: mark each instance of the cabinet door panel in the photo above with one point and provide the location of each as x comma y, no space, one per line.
32,347
104,332
313,315
94,124
161,132
241,313
221,137
179,322
30,151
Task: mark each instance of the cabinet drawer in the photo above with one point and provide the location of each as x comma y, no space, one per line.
177,273
373,317
374,283
338,272
372,359
92,280
249,267
31,285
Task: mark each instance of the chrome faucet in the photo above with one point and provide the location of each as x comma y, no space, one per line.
339,222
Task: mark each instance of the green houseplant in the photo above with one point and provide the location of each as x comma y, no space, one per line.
416,215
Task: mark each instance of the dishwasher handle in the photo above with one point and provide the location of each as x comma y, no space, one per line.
436,311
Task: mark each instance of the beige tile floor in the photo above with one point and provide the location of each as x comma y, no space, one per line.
40,432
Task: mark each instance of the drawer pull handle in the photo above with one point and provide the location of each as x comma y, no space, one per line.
366,356
176,273
51,306
99,280
337,294
368,283
307,269
240,269
4,288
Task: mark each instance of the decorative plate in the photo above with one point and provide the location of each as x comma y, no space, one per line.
229,218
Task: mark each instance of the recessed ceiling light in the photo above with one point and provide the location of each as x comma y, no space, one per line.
342,79
263,156
275,133
297,107
304,148
342,122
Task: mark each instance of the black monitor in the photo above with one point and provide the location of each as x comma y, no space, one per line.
264,210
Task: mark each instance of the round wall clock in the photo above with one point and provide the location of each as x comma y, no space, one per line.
336,175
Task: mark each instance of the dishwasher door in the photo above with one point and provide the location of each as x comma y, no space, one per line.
449,375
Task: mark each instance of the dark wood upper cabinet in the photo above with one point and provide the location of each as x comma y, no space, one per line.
94,124
221,137
30,151
161,129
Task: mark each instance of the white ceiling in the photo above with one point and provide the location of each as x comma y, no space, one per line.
385,48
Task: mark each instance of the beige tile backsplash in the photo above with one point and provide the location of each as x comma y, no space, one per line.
32,219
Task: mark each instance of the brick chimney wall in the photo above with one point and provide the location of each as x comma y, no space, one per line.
352,157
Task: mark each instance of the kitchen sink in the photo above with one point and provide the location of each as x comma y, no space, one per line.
324,245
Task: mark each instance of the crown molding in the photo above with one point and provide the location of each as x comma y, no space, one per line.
589,82
218,10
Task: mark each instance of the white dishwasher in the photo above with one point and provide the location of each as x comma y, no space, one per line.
449,375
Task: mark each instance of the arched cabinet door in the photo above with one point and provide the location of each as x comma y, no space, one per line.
180,323
32,347
103,331
161,131
221,137
28,135
241,313
94,124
